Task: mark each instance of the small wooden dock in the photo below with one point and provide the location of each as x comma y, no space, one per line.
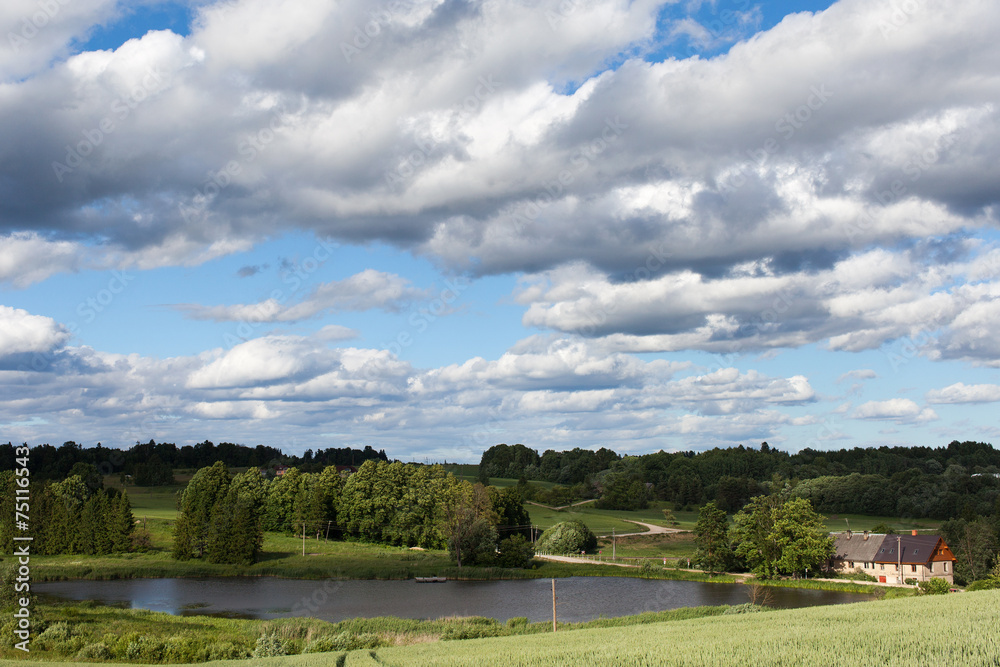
430,580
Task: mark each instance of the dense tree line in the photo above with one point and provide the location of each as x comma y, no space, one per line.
75,515
223,518
152,463
961,479
571,467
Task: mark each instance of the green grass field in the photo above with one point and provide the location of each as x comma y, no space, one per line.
956,629
157,502
953,630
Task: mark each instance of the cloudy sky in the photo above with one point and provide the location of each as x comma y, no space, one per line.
432,226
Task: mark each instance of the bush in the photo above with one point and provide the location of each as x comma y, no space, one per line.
745,608
97,651
8,596
345,641
648,567
515,551
568,537
268,646
145,649
517,622
984,584
57,632
935,586
141,541
228,651
477,627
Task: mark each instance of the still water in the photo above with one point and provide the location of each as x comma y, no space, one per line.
578,598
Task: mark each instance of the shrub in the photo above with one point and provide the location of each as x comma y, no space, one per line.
184,649
57,632
141,541
96,651
648,567
984,584
8,596
228,651
515,551
268,646
145,649
745,608
474,630
344,641
935,586
568,537
517,622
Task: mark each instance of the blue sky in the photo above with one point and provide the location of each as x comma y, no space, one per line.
435,226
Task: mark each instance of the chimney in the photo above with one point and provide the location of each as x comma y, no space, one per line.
913,532
848,534
866,534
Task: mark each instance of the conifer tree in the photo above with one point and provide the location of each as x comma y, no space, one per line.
205,490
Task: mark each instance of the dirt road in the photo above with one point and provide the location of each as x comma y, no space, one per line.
651,529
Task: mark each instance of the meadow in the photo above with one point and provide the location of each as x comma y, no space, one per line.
956,629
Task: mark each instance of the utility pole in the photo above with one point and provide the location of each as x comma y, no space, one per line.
553,605
327,538
612,544
899,561
303,538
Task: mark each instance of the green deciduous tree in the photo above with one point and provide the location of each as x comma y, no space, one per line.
801,536
775,537
508,504
567,537
975,546
515,551
469,524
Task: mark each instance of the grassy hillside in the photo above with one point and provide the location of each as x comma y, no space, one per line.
957,629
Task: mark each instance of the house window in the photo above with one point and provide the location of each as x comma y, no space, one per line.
945,566
913,568
881,566
850,563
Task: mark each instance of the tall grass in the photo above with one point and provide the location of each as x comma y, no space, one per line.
935,630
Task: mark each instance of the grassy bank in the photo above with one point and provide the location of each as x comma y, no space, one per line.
89,630
953,629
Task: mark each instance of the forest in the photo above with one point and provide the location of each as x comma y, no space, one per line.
152,463
961,479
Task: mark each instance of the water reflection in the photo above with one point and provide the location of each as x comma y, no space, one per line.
579,598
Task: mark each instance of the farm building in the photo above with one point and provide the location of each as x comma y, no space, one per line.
893,558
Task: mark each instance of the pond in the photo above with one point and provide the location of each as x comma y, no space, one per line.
578,598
